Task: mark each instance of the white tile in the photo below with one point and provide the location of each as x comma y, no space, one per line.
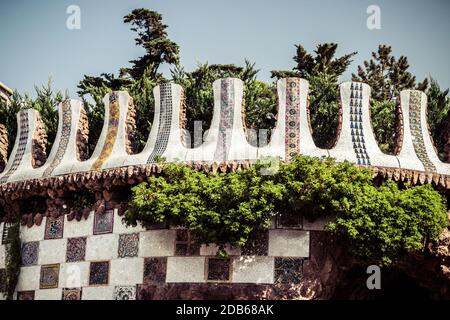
74,275
35,233
157,243
102,247
288,243
82,228
97,293
121,227
29,278
48,294
253,269
128,271
52,251
185,269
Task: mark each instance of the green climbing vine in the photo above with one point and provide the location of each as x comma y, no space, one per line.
379,222
12,259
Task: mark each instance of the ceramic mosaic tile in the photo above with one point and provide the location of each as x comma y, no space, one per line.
124,293
227,96
111,136
54,228
128,245
292,127
103,223
99,273
218,269
71,294
23,136
356,124
49,276
25,295
155,270
257,244
6,228
65,135
165,120
416,131
30,253
288,270
76,249
185,244
2,280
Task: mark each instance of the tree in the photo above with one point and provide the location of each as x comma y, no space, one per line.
322,71
386,75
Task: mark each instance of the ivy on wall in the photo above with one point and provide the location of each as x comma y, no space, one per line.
12,259
379,222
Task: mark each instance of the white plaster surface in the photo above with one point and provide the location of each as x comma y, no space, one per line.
52,251
185,269
127,271
48,294
82,228
251,269
29,278
97,293
288,243
157,243
102,247
74,275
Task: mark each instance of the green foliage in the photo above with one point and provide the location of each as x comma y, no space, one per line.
12,259
379,223
217,208
383,122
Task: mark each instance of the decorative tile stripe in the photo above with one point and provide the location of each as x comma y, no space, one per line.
99,273
128,245
124,293
49,276
76,249
103,222
25,295
227,96
356,124
218,269
416,130
30,253
292,119
113,125
155,270
5,236
288,270
65,135
71,294
54,228
165,119
23,135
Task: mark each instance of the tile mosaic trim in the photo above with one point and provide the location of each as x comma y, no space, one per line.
30,253
54,228
292,120
218,270
356,124
155,270
99,273
25,295
128,245
71,294
185,245
124,293
165,120
65,135
5,234
111,136
49,276
415,123
288,270
23,137
2,280
103,222
227,96
76,249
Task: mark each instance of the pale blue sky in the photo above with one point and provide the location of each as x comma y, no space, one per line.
36,44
